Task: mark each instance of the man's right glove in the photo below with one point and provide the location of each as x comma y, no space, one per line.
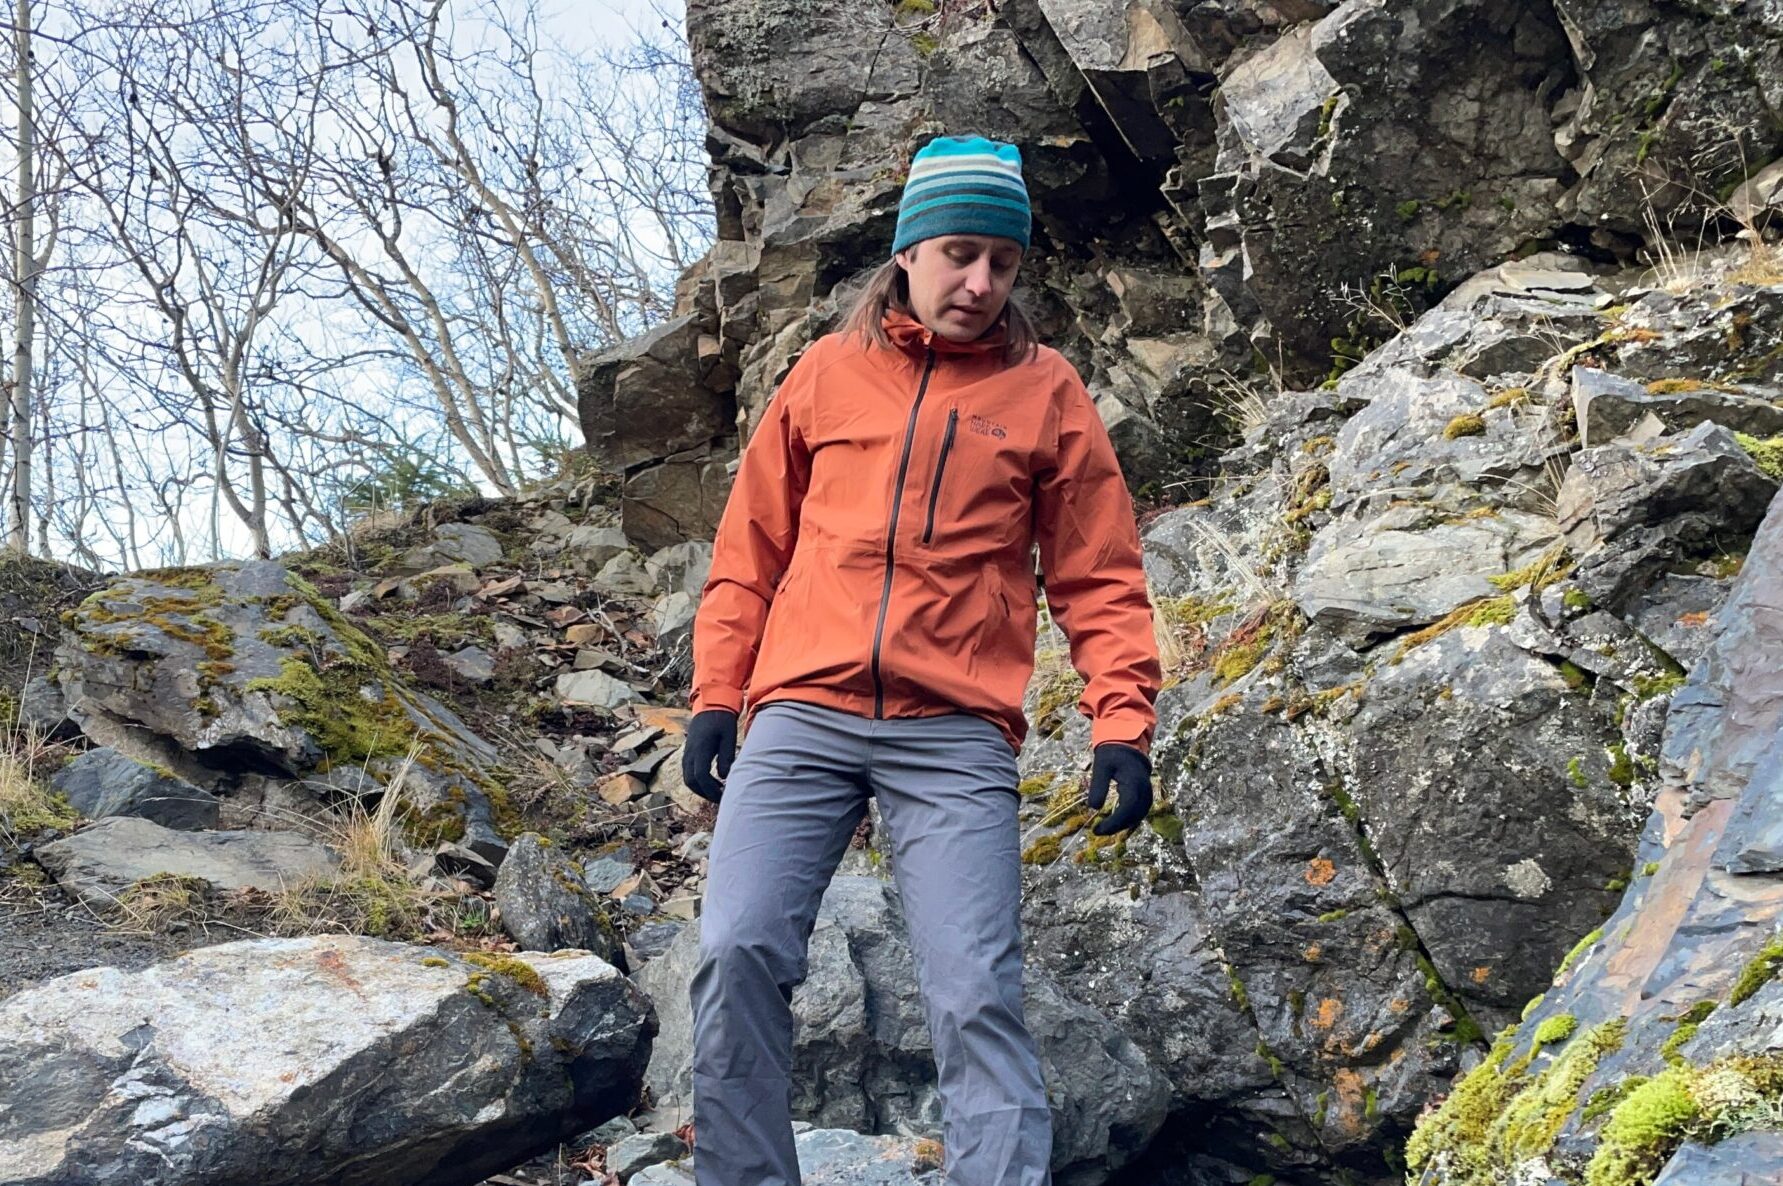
711,737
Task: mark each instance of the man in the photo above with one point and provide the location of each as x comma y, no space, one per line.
872,605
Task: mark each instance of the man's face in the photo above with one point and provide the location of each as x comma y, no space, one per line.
960,283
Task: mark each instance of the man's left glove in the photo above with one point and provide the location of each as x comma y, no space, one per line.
1131,771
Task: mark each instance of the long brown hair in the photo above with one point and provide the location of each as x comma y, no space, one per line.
888,287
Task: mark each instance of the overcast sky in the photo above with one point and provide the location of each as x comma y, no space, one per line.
584,24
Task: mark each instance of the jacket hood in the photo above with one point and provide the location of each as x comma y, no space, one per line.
912,336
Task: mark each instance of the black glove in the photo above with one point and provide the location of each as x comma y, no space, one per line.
711,735
1132,772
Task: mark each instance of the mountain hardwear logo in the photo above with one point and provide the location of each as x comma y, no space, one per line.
988,428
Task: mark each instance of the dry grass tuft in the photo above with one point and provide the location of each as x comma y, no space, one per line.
1241,402
371,893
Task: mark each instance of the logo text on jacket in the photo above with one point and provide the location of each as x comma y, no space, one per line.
984,427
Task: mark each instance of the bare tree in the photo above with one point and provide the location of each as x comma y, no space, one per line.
310,246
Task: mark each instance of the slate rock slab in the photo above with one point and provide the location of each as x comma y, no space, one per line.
98,863
103,782
1747,1159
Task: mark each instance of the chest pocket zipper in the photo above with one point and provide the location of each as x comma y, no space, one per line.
953,421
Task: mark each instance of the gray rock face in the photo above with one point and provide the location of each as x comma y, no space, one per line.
1630,510
861,1056
678,496
595,688
672,619
624,574
1495,899
1408,568
1721,721
455,543
1694,921
642,1150
680,568
642,399
100,862
1411,436
545,906
596,545
1348,149
652,397
298,1061
1625,129
1747,1159
103,782
1316,959
473,664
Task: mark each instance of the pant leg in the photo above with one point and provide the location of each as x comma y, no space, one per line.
794,797
946,789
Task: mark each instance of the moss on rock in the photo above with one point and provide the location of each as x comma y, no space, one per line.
1766,453
511,968
1758,972
1643,1131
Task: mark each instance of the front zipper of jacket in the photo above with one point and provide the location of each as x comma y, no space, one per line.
891,533
953,421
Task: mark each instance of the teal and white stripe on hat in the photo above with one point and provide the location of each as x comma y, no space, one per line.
964,185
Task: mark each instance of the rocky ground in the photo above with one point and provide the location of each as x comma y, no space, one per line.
1443,344
1426,687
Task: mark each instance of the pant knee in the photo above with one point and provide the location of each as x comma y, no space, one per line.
740,960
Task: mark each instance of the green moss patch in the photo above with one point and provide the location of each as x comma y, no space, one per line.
1468,424
1043,851
511,968
1535,1116
1058,688
1757,973
1767,454
1644,1130
1503,1111
1245,647
1538,574
1489,611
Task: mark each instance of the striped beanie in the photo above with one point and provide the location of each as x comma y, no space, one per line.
964,185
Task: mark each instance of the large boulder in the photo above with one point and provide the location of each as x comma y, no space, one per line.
545,906
1673,105
307,1061
1358,146
1632,509
1501,841
245,667
862,1059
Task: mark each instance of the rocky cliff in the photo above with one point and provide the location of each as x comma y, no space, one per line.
1443,345
1456,328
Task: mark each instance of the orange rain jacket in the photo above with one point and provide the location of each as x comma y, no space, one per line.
876,553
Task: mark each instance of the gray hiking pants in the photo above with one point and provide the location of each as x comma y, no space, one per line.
799,787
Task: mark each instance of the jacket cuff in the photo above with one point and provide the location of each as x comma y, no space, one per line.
1130,730
713,696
